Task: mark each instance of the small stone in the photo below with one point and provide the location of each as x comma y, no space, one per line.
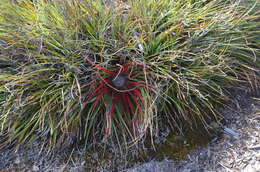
17,160
35,168
231,132
256,147
83,163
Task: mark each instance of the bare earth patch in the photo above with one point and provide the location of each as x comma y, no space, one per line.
228,153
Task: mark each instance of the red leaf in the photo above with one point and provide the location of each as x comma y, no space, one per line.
95,91
137,92
99,67
126,102
126,67
113,107
130,104
136,102
99,97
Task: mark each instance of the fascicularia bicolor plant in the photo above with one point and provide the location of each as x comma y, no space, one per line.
121,94
195,51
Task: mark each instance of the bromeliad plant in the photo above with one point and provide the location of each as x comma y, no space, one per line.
86,70
119,91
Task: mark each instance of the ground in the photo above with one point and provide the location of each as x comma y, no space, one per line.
228,153
238,150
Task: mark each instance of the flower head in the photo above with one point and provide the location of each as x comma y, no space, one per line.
118,87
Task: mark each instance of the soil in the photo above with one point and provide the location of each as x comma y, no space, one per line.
236,152
236,149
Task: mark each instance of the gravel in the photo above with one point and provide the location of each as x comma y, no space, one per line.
237,150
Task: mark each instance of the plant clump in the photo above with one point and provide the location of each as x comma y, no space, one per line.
119,91
92,71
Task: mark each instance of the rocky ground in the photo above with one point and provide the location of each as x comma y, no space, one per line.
235,152
237,149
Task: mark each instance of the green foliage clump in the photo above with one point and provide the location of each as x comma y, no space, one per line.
59,60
